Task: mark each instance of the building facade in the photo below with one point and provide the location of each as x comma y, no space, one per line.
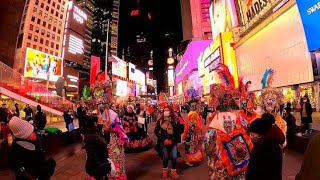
41,28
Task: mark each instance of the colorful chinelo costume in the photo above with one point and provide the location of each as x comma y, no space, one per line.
227,143
193,136
271,99
111,125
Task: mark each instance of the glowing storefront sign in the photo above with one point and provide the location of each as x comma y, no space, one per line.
189,59
132,69
170,77
40,65
141,82
310,15
119,67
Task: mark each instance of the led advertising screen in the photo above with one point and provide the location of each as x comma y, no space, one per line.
132,69
94,68
74,47
76,19
122,88
39,65
119,68
310,15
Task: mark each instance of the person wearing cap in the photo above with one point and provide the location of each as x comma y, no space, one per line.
27,161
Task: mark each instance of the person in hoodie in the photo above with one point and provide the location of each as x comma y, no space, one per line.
26,161
98,164
139,140
266,155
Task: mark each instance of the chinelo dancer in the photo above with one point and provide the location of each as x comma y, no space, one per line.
111,124
193,136
139,140
271,99
227,143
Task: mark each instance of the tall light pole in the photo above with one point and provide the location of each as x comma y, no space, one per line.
107,49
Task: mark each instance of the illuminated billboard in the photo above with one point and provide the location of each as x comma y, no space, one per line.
94,68
132,69
74,47
170,77
141,82
119,67
40,65
73,40
122,88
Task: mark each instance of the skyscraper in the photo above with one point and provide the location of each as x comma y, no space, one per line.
196,19
41,28
10,17
88,6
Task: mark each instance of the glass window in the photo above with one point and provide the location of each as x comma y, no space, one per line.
47,43
34,46
40,48
58,38
61,16
30,36
36,38
46,50
33,18
42,5
50,19
52,11
54,28
53,36
31,27
62,9
48,34
56,53
34,10
53,4
60,23
37,2
40,13
45,15
44,24
37,30
57,46
28,44
58,7
49,1
55,21
51,52
43,32
52,44
59,31
57,14
59,1
41,40
49,26
47,8
39,21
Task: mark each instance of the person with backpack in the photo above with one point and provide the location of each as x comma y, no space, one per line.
26,160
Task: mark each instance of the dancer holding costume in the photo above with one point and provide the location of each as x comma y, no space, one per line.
227,143
111,124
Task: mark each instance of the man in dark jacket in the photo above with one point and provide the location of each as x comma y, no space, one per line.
306,114
28,162
40,119
291,125
98,165
3,121
28,111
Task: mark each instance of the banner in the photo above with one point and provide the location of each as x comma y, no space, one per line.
94,69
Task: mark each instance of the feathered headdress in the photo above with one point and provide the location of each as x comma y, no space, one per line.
222,95
101,90
267,78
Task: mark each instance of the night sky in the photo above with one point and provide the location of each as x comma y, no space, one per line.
166,18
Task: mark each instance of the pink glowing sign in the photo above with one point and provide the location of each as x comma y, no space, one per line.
189,58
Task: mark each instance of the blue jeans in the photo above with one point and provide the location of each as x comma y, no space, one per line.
173,151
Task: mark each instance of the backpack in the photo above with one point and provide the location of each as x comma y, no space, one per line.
41,120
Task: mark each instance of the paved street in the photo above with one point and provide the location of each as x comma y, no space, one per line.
144,166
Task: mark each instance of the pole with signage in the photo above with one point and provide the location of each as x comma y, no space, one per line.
107,49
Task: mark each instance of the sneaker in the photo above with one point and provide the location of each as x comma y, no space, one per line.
174,174
165,172
189,164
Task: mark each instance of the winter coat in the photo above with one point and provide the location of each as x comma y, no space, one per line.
310,166
97,164
309,113
163,134
23,155
266,155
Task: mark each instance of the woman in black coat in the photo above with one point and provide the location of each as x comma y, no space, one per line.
97,165
306,113
266,155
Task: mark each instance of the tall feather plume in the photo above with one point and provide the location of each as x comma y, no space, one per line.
225,76
266,79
